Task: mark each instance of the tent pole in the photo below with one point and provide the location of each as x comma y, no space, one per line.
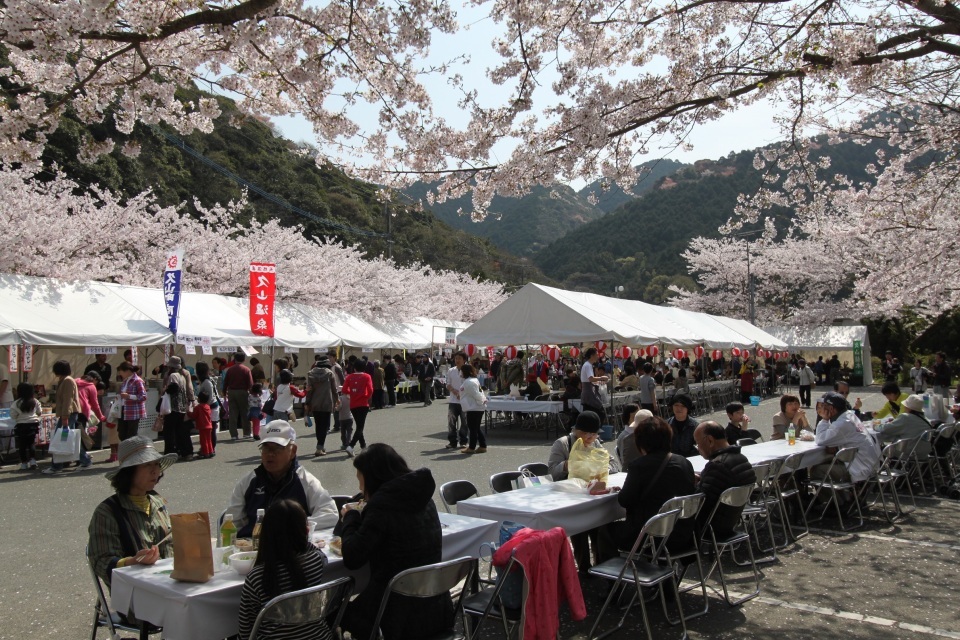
611,386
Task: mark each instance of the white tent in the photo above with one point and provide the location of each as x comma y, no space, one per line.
350,330
45,311
537,314
814,342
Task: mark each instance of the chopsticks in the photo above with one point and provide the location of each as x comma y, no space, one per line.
165,538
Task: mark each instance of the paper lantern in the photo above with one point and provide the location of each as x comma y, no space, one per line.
716,354
554,354
679,354
768,354
626,352
470,350
745,353
544,348
777,355
600,345
643,352
785,355
698,351
654,351
735,351
574,352
510,352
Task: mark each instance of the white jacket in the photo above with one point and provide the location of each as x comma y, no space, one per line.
320,507
472,397
846,431
807,377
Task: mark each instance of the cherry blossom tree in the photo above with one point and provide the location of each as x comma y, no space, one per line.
55,230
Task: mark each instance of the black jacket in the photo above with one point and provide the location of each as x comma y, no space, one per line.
683,443
389,371
398,529
726,468
641,504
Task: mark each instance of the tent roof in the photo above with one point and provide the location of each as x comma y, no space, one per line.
537,314
346,327
405,335
46,311
829,337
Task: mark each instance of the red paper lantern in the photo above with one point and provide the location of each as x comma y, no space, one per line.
643,352
679,354
698,351
574,352
626,352
654,351
600,345
490,351
716,354
785,355
554,354
777,355
745,353
510,352
735,351
470,349
768,354
544,348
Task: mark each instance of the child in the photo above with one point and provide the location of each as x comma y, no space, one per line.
346,423
286,392
201,420
25,413
255,409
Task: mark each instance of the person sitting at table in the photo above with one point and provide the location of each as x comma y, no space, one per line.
571,387
843,388
790,412
394,527
533,389
737,422
910,424
626,449
286,561
652,478
630,379
129,528
586,428
683,426
891,391
279,476
726,467
839,428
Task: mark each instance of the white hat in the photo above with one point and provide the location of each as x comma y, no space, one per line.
279,432
139,450
914,403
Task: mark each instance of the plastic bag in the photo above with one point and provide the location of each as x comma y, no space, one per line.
588,463
165,406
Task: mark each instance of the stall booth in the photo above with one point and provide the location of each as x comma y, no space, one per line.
850,343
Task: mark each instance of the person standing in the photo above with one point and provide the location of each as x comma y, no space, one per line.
941,375
495,365
425,373
25,414
133,395
457,429
819,368
236,383
474,404
176,434
390,380
359,386
105,371
378,383
590,383
918,376
321,400
808,378
67,410
648,389
286,391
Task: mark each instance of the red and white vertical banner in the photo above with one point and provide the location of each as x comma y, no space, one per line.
27,358
263,293
13,360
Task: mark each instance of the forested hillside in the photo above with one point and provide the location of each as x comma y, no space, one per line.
340,208
650,174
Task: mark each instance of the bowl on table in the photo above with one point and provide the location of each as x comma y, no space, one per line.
242,562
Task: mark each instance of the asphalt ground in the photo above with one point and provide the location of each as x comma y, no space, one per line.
880,582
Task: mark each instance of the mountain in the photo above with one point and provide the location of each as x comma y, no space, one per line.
521,226
650,174
638,246
279,175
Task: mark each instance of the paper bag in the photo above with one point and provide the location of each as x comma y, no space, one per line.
192,553
588,463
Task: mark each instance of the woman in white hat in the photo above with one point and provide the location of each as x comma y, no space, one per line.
131,527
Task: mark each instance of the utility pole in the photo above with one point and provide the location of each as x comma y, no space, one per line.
389,219
751,292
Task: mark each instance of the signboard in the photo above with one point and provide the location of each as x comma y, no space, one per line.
226,349
248,350
99,351
134,356
172,279
857,358
189,349
366,350
193,341
13,361
27,357
451,339
263,293
321,350
207,350
291,350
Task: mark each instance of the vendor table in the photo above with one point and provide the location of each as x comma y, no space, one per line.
548,506
190,611
551,409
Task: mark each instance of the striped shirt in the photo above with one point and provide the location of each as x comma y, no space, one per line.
110,540
134,407
253,598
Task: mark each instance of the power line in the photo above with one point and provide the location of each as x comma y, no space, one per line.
266,195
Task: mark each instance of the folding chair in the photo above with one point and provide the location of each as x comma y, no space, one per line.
535,468
689,507
790,489
940,452
833,487
887,475
758,509
754,434
503,481
430,581
920,463
310,605
734,499
641,572
104,616
489,601
767,495
453,492
746,442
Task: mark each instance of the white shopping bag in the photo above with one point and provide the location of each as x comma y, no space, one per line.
65,444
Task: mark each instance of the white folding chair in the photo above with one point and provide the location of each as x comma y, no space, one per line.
833,488
733,500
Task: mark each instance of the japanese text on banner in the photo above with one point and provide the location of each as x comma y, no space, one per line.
13,362
27,358
263,291
172,277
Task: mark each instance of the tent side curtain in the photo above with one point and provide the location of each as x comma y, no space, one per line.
537,314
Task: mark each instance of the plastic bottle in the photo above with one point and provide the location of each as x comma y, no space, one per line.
791,435
64,434
228,531
256,529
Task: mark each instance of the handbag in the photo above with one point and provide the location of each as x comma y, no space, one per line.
65,443
192,552
511,594
530,480
165,407
158,424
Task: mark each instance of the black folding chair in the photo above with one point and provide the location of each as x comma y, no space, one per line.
453,492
